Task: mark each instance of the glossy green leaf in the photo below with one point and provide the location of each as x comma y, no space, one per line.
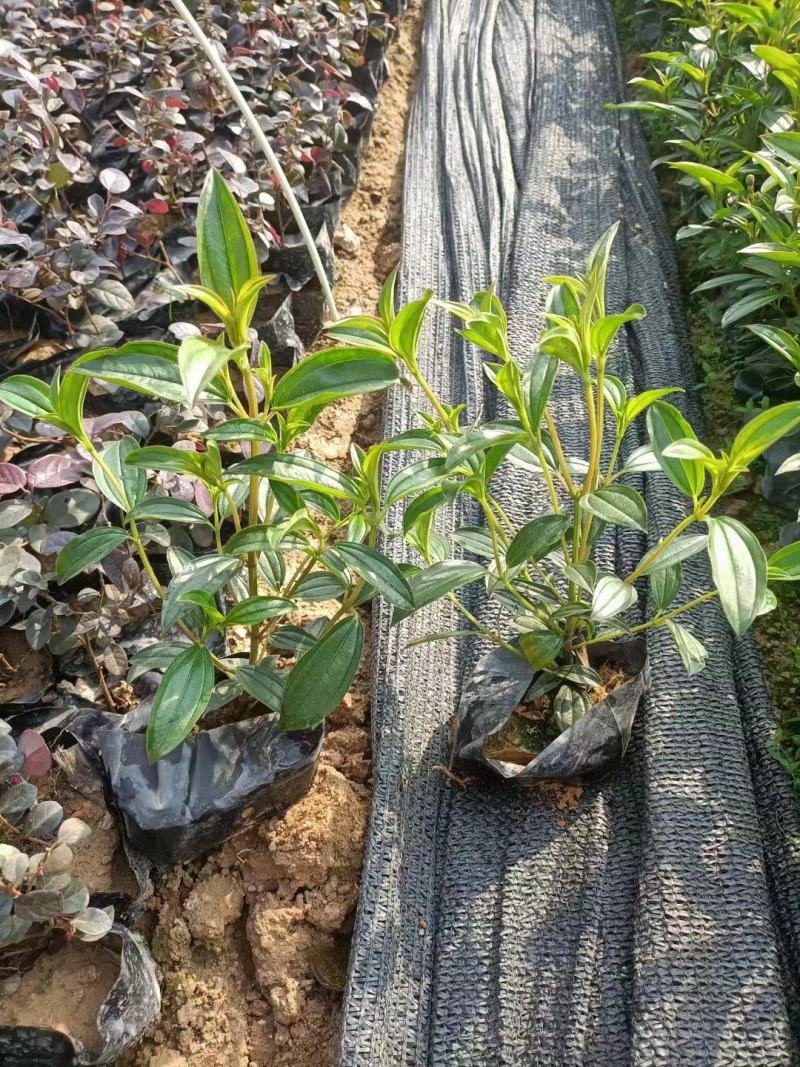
250,539
665,584
166,458
210,573
678,550
167,509
225,249
137,367
406,327
763,431
665,424
739,567
415,478
155,657
199,361
386,302
537,385
784,565
379,571
319,681
693,653
437,581
361,331
255,609
299,471
611,597
334,373
179,702
87,549
536,539
241,430
26,394
132,479
620,505
262,683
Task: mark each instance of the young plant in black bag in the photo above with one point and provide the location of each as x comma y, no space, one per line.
285,528
567,653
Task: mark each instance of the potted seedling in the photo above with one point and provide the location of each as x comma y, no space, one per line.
44,906
247,678
556,696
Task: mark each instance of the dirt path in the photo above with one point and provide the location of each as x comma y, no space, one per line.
253,942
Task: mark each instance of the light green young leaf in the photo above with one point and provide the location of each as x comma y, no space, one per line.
133,480
199,362
665,425
763,431
225,249
693,653
334,373
784,565
256,609
406,327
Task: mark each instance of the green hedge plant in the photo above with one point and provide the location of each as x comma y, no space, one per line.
286,530
554,601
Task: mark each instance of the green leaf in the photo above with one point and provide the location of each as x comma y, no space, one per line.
611,597
379,571
251,539
536,539
437,581
319,586
262,683
665,584
154,658
167,509
202,599
319,681
334,373
482,438
541,647
569,706
744,307
678,550
443,635
537,384
638,404
292,639
620,505
256,609
763,431
22,392
240,429
708,177
693,653
689,448
225,249
406,326
87,549
299,471
180,700
210,573
145,367
780,340
606,328
166,458
132,479
361,331
199,361
739,568
784,565
386,302
665,424
414,478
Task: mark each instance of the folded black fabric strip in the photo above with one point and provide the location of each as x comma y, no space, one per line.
659,922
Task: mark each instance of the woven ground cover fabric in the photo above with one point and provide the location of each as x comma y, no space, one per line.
658,923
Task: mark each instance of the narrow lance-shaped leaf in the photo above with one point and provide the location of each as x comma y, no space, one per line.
665,424
620,505
763,431
87,549
299,471
437,581
379,571
538,537
225,249
318,682
335,373
181,699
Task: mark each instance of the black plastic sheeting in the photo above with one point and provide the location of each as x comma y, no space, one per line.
133,1002
659,922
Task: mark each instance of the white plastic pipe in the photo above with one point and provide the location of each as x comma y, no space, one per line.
263,143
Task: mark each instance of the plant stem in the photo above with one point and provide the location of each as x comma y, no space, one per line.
659,620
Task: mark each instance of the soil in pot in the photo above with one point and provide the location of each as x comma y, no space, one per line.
62,991
532,726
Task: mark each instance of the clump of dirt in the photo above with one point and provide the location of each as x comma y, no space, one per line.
63,991
22,670
253,942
